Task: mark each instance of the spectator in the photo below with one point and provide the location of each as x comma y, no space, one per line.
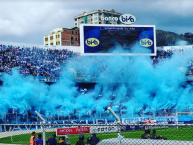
63,142
144,121
153,136
95,139
160,137
89,141
32,138
29,114
146,135
148,121
52,141
81,139
39,141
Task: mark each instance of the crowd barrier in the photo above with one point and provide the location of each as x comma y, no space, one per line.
181,115
108,134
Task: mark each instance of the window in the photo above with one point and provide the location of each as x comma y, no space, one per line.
95,14
51,43
72,32
72,43
71,38
99,22
82,22
107,22
51,38
76,32
46,39
56,36
96,22
95,18
75,24
107,15
58,42
75,19
88,16
75,39
82,18
88,20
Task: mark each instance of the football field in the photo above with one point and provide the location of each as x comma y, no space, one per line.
180,134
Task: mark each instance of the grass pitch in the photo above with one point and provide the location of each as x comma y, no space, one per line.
182,133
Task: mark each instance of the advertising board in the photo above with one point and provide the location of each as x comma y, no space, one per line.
73,130
102,129
105,39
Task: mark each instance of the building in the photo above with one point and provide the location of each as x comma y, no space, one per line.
94,17
63,37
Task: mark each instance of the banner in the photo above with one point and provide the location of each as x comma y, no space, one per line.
74,130
156,127
125,128
102,129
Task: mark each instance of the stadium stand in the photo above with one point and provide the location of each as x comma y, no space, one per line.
34,61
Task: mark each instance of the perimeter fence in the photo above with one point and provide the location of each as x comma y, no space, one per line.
100,134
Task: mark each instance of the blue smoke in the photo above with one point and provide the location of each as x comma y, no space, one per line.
130,81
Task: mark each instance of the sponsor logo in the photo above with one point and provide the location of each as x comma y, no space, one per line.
106,129
109,18
155,127
146,42
81,129
65,130
92,42
132,127
127,19
103,129
123,127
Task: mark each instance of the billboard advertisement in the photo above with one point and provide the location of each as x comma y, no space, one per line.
104,39
72,130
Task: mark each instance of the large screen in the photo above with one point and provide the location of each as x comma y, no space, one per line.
111,39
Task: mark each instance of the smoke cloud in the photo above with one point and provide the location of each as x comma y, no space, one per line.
130,80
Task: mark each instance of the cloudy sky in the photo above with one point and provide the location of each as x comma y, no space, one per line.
27,21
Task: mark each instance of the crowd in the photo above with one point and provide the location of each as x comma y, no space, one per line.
189,71
161,55
62,140
33,61
49,63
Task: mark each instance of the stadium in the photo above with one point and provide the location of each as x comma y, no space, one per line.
119,86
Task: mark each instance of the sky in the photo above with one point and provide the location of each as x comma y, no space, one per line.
28,21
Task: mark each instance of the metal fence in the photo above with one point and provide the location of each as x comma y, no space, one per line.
108,134
132,115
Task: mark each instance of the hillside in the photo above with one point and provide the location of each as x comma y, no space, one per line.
165,38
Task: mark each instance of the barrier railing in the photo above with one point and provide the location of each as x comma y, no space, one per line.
129,115
116,132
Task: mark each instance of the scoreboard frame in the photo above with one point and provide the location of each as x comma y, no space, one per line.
83,42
